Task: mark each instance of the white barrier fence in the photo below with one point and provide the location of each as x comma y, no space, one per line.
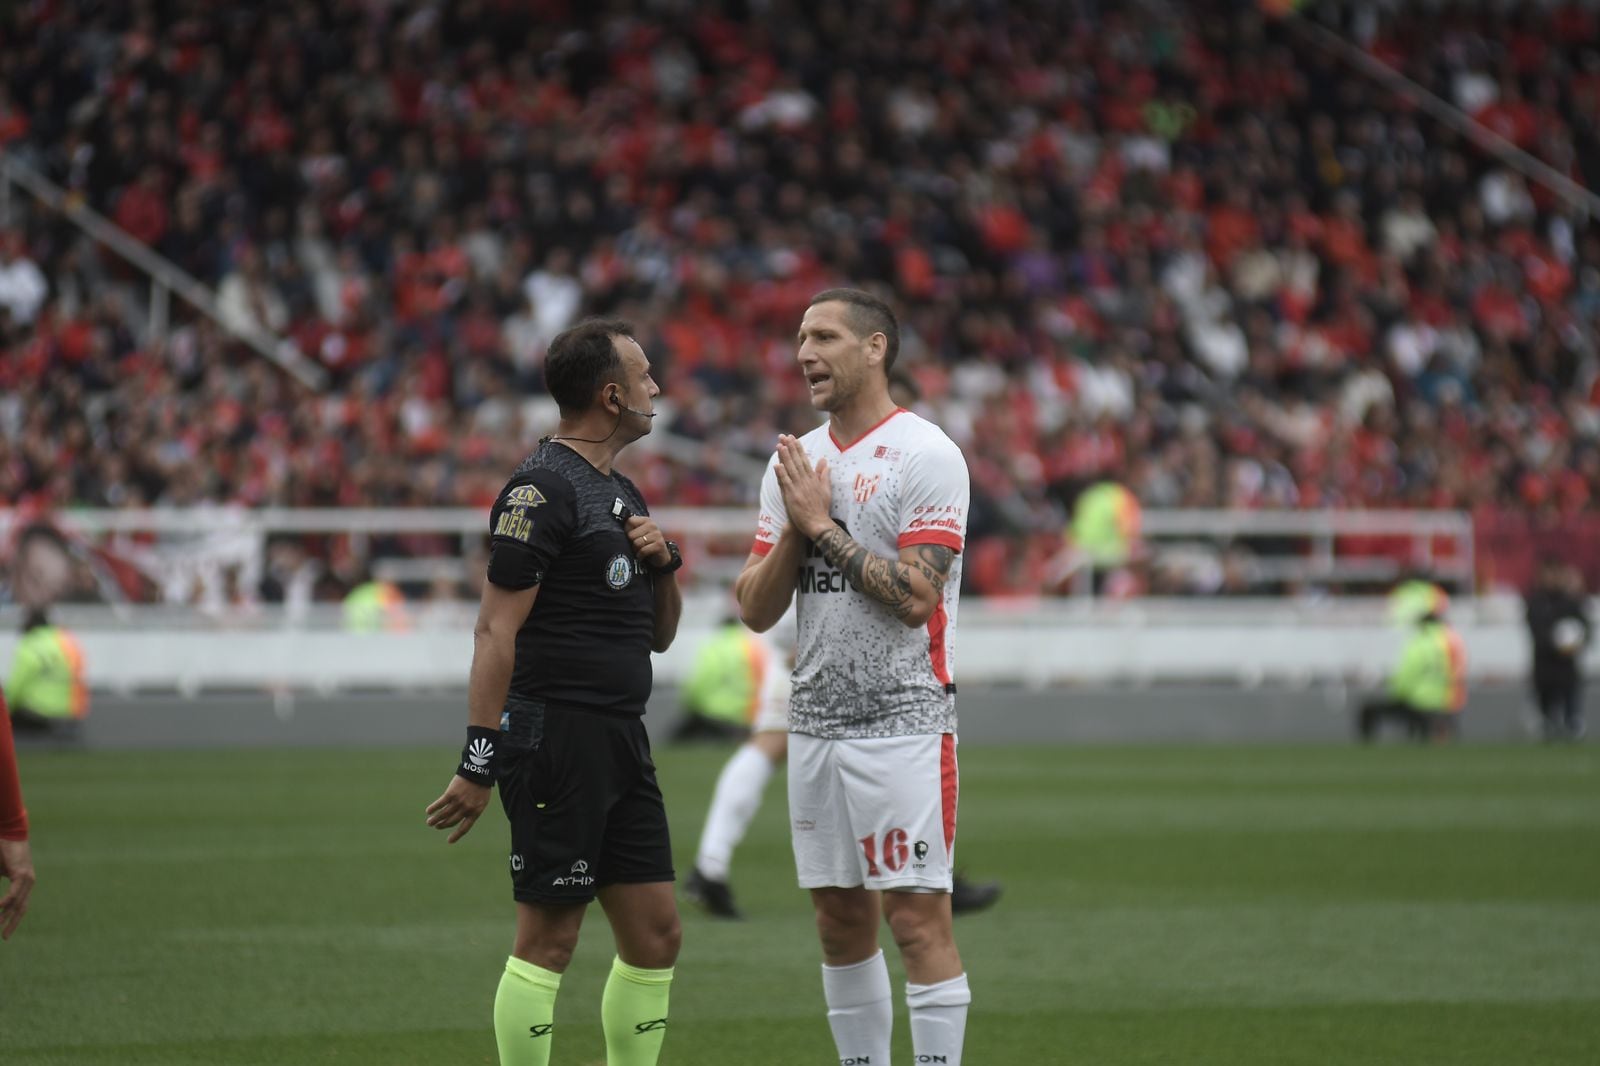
1038,644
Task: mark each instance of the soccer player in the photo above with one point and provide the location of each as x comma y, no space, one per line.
863,519
16,859
580,591
743,781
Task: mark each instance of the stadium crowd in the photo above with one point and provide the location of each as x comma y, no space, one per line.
1182,247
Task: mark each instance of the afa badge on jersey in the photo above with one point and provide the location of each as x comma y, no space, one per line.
619,571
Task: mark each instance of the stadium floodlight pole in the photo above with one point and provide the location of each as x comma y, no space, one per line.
1531,167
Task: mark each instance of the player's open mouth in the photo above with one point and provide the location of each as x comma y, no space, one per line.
818,379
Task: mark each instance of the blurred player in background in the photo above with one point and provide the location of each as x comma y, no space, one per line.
580,591
1559,628
45,687
1428,687
863,519
723,691
16,859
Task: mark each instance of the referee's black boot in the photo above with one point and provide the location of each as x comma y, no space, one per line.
715,896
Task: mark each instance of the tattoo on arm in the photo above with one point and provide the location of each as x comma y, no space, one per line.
934,562
886,580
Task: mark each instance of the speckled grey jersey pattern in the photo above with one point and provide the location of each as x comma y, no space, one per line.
859,670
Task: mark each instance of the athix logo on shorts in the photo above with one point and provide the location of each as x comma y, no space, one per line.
866,486
479,752
619,571
577,878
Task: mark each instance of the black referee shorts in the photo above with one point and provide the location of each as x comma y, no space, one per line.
579,788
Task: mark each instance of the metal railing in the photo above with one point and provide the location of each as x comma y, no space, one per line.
1530,167
1286,549
166,277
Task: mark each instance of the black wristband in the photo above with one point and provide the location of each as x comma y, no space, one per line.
674,564
477,757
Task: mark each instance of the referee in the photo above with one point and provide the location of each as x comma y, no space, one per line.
580,592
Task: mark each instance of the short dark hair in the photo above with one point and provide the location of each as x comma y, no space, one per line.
866,315
581,359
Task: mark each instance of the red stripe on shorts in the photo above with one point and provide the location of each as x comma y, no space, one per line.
948,788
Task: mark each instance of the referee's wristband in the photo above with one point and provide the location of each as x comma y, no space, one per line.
477,757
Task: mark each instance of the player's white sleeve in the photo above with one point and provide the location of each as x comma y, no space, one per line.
934,497
774,515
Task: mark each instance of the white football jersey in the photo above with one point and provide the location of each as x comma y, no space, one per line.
859,670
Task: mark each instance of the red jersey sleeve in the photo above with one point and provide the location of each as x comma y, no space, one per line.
13,817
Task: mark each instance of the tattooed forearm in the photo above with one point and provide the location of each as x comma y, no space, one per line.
934,562
886,580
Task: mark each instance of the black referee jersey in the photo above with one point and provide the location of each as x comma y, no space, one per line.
558,524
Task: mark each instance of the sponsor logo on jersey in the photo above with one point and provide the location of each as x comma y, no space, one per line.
819,577
516,863
866,487
883,451
619,571
814,580
514,523
525,496
578,876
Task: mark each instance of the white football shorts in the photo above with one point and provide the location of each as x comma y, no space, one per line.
878,811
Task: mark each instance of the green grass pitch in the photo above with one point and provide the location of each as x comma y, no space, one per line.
1225,906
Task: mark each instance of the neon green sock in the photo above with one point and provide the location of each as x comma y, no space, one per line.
524,1013
634,1013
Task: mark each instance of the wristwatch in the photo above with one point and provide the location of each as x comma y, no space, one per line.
675,564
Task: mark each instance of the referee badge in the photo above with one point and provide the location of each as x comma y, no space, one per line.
619,571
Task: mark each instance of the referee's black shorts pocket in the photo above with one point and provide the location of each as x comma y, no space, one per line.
522,725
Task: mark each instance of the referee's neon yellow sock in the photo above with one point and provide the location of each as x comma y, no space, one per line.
524,1013
634,1013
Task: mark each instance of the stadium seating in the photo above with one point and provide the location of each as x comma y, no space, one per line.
1195,253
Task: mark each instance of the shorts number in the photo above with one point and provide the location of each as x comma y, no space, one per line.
895,851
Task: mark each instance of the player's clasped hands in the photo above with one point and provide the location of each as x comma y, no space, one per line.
459,808
807,492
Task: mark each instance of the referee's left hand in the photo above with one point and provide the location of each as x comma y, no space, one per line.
459,807
649,543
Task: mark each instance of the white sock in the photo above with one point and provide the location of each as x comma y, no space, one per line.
859,1010
735,802
939,1020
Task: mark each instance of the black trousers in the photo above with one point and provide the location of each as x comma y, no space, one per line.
1561,706
25,722
1420,726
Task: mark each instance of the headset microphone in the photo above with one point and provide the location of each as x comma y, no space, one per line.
617,399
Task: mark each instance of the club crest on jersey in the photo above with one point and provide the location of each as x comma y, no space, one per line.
619,571
866,486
